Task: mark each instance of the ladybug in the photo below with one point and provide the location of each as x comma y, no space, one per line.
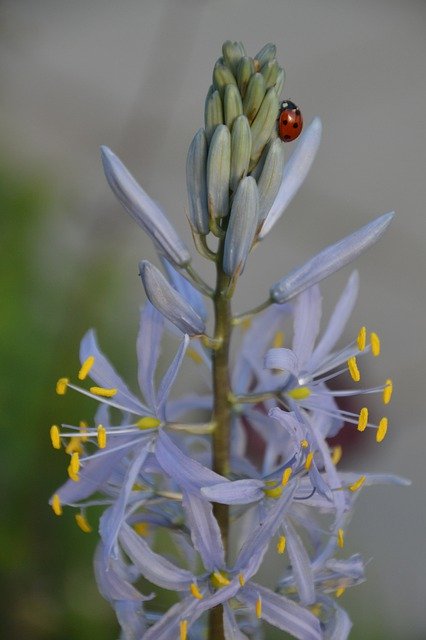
290,121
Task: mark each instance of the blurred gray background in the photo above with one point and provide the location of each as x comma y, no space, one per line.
133,75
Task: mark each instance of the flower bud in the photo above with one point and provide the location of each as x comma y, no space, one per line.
240,150
232,105
222,76
264,124
270,71
242,227
196,182
254,96
218,172
267,53
245,70
232,53
213,113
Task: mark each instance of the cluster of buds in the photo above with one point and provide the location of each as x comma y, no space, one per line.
259,467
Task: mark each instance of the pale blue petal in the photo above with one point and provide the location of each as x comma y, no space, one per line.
295,172
337,322
230,625
243,223
104,374
144,210
330,259
186,289
167,628
307,318
111,585
131,618
148,347
237,492
170,377
338,625
205,532
283,359
178,407
283,613
300,564
152,566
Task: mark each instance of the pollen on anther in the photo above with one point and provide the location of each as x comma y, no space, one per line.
357,484
363,419
101,391
56,505
148,422
299,393
195,591
55,436
278,340
83,430
86,367
142,528
353,369
61,386
102,437
259,607
286,476
304,443
362,338
73,474
75,462
183,629
340,591
241,579
375,344
382,429
308,461
81,521
281,545
74,445
336,454
387,391
341,538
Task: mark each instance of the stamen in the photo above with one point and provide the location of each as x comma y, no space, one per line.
300,393
194,355
101,391
102,437
278,340
183,629
308,461
341,538
61,386
219,579
357,484
336,454
54,436
316,610
362,338
259,607
304,443
340,591
56,505
246,324
142,528
241,579
72,473
85,367
286,476
281,545
195,591
148,422
75,462
382,429
83,430
387,391
375,344
82,523
275,492
74,445
363,419
353,369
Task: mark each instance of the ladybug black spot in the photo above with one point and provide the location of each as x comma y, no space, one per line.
285,122
298,112
295,126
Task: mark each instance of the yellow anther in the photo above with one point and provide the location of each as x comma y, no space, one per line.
357,484
102,437
85,367
316,610
195,591
55,436
382,429
340,591
219,579
308,461
300,393
61,386
275,492
353,369
387,391
56,505
241,579
304,443
375,344
336,454
83,430
286,476
362,338
148,422
74,445
183,629
363,419
75,462
194,355
81,520
259,607
101,391
341,538
246,324
142,528
281,545
278,340
73,474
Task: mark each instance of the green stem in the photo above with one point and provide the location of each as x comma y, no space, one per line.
222,414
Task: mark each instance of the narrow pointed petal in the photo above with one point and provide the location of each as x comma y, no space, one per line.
148,350
169,302
284,359
104,374
237,492
329,260
205,532
167,628
110,584
307,318
295,172
301,565
230,625
169,377
242,227
283,613
144,210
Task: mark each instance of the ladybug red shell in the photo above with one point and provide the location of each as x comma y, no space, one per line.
290,121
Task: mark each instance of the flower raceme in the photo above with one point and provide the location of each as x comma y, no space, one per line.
258,467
